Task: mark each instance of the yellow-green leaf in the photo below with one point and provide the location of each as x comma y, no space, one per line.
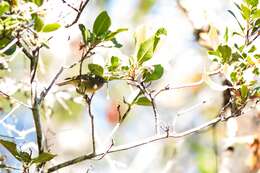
51,27
143,101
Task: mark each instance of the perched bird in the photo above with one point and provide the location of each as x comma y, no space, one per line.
85,83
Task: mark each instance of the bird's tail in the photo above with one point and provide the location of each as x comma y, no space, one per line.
66,82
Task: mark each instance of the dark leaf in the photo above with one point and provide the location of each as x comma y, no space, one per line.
11,50
11,147
236,19
43,157
116,44
25,157
96,69
252,49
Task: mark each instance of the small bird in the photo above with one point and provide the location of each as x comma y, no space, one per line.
85,83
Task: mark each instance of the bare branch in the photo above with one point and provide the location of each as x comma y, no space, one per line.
46,90
91,116
34,63
136,144
36,118
147,141
108,149
79,11
69,5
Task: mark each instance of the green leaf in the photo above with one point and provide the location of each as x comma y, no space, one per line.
236,56
256,92
148,47
38,23
155,74
11,147
11,50
212,52
257,22
145,51
159,32
101,24
25,157
244,92
112,35
252,2
115,61
256,14
51,27
38,2
225,52
143,101
233,76
4,7
43,157
124,68
84,33
226,35
241,27
252,49
257,56
246,12
96,69
116,44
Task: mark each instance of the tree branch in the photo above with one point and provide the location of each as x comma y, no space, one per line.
91,116
79,11
137,144
36,118
46,90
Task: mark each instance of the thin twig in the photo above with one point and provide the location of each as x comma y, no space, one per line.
46,90
91,116
80,10
34,63
108,149
69,5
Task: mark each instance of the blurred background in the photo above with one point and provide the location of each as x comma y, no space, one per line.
183,53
